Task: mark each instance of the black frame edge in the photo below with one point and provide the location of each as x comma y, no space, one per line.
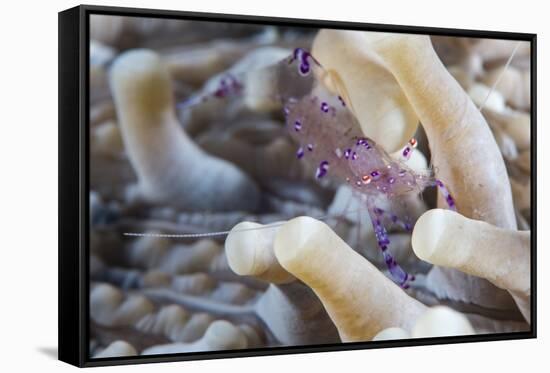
69,212
301,22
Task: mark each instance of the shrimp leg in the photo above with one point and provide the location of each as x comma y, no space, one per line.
397,272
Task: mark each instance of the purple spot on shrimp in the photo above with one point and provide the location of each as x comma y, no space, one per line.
300,153
324,107
382,238
450,201
228,85
297,125
302,56
406,152
310,147
354,156
384,242
446,194
347,153
390,262
375,174
402,173
391,180
298,53
322,169
364,142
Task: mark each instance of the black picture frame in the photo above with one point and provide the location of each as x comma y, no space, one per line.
73,247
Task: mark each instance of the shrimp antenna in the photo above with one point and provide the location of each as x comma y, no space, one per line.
199,235
224,233
493,87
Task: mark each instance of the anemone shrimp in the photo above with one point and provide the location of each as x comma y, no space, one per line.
329,137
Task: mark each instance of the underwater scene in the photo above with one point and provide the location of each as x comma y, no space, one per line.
256,186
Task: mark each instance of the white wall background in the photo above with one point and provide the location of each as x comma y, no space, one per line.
28,185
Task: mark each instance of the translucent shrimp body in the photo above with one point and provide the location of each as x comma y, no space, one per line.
329,137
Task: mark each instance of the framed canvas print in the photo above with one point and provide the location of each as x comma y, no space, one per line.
235,186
